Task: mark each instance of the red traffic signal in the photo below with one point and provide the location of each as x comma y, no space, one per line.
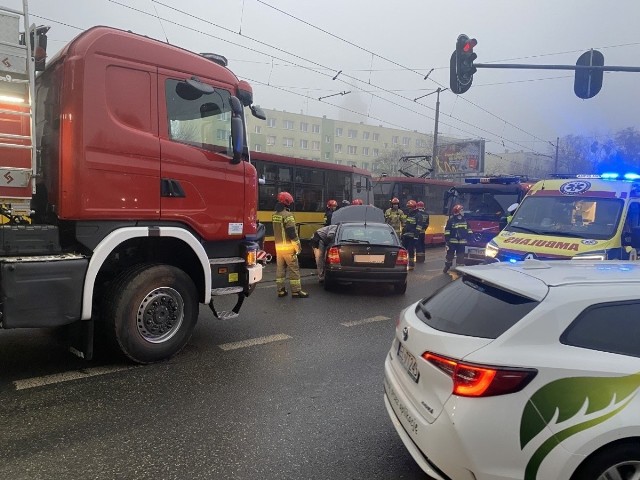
461,65
469,44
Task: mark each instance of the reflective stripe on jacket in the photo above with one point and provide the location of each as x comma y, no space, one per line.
457,230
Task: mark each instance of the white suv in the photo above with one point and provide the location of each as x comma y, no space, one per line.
522,371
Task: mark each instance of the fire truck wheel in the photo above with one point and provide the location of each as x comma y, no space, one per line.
152,311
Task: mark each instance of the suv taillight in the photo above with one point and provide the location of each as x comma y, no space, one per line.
471,380
403,257
333,256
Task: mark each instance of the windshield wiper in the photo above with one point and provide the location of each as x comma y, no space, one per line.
525,229
560,233
355,240
424,311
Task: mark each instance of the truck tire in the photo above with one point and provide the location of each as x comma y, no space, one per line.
151,311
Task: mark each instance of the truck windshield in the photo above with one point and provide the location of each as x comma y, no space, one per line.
562,216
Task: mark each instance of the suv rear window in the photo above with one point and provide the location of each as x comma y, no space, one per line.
472,308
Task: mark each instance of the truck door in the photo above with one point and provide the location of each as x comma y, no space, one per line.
199,185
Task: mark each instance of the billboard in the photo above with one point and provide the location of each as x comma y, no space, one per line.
460,158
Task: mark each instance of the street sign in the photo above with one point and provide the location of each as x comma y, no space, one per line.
587,82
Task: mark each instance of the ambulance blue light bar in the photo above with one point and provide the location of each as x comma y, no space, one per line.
603,176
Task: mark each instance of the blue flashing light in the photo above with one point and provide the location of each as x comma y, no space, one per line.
631,176
512,260
610,176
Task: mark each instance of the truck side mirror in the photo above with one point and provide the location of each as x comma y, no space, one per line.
237,130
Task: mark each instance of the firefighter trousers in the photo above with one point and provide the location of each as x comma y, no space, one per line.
287,263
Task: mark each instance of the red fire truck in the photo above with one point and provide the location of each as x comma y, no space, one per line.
126,192
486,201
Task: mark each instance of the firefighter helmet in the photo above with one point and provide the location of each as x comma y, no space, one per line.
356,201
457,209
395,201
332,204
411,204
420,204
346,203
285,198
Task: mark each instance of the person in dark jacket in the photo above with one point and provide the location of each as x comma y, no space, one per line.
322,238
420,246
331,207
456,233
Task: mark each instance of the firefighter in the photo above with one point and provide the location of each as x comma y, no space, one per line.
395,217
357,201
410,231
420,246
346,203
456,233
287,248
322,238
331,207
510,211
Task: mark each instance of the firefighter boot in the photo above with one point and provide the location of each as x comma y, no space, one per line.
446,268
282,292
299,294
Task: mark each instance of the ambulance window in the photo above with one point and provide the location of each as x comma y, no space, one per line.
633,217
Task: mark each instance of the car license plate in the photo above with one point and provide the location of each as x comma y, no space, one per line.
476,251
408,361
368,258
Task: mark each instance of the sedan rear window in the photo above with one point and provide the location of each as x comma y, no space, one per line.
376,234
472,308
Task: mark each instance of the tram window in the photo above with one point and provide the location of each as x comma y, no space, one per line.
309,175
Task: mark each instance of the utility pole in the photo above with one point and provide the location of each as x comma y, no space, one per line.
555,168
434,154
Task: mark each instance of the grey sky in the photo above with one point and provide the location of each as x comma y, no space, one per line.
415,35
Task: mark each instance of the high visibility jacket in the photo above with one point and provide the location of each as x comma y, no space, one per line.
424,220
395,218
327,217
412,224
457,231
284,232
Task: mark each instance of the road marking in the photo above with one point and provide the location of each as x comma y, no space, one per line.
65,377
254,341
378,318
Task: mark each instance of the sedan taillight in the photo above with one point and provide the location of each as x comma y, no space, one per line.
471,380
403,257
333,256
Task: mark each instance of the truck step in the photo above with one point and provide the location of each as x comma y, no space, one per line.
223,261
226,290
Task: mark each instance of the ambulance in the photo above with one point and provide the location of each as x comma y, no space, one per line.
580,217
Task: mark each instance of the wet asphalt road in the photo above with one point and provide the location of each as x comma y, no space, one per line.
299,397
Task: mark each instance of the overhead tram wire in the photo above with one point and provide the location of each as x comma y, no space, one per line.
293,63
395,63
306,67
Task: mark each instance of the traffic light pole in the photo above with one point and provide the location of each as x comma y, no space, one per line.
434,154
611,68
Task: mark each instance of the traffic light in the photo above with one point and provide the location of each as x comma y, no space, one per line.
461,64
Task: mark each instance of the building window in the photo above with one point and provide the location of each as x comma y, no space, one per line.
304,144
327,139
271,140
257,148
222,134
287,124
225,117
338,162
376,152
327,155
258,129
315,128
338,148
365,151
304,127
315,145
406,141
352,133
352,150
338,131
376,137
394,139
287,142
271,122
365,135
365,165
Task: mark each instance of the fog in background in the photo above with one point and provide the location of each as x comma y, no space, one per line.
290,51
